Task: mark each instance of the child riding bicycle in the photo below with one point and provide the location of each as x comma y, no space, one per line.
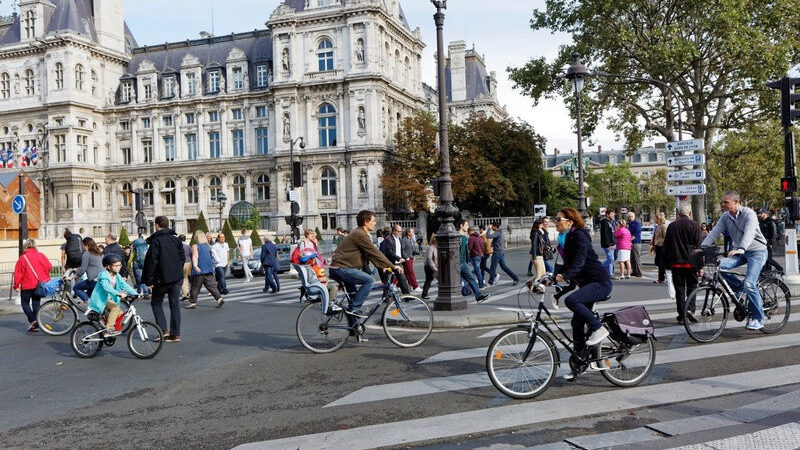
108,292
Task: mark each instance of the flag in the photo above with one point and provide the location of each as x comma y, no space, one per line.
23,161
34,157
9,159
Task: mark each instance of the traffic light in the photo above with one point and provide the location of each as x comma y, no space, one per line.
790,102
297,174
793,208
789,184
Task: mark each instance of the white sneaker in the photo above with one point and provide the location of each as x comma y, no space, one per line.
553,303
598,366
496,277
418,290
597,337
333,307
754,325
569,376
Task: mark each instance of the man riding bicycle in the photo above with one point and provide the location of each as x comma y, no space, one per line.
347,264
750,247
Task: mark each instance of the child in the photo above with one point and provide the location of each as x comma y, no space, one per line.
107,293
310,258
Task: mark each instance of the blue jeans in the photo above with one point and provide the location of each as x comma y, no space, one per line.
609,261
548,266
476,266
271,278
30,304
350,278
140,287
580,303
219,274
84,288
500,259
173,293
755,260
484,266
466,275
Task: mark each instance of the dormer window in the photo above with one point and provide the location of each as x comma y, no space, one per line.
127,89
148,89
261,76
238,78
191,83
30,24
213,81
169,87
59,75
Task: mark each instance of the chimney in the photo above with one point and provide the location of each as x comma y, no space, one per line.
458,71
555,151
599,149
109,24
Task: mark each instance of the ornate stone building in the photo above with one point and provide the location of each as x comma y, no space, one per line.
190,120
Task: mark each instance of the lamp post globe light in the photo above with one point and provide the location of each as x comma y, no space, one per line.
577,73
222,199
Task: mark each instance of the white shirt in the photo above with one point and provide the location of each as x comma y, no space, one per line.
246,246
219,253
397,247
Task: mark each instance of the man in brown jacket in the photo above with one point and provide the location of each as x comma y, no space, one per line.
348,261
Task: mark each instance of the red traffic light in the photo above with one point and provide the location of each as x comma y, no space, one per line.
789,184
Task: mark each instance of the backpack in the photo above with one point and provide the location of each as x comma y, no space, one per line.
487,246
141,252
295,258
74,250
631,324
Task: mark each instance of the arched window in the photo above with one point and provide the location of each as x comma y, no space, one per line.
95,196
59,75
325,55
147,195
262,187
30,24
327,125
5,86
79,77
328,182
214,188
29,82
406,70
238,188
192,193
125,194
169,192
94,82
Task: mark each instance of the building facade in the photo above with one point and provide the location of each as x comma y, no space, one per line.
187,121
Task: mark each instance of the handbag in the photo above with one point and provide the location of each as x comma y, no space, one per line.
41,289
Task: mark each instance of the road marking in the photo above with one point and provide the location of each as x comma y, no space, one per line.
783,436
529,413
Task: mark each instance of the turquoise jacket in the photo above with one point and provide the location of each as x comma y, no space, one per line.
103,291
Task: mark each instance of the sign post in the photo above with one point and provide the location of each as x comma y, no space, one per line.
18,203
676,159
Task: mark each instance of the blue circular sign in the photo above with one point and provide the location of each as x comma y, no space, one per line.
18,204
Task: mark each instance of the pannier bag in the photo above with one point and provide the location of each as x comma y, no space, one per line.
631,324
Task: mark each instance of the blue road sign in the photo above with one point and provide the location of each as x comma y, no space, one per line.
18,204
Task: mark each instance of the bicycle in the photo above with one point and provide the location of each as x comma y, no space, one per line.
522,360
324,328
709,304
144,339
59,315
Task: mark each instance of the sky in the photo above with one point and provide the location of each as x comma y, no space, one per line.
477,22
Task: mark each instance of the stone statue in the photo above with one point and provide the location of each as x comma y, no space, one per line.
287,127
362,120
360,51
362,182
285,59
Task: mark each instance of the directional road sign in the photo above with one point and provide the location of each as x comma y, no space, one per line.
687,189
682,146
686,160
18,204
686,175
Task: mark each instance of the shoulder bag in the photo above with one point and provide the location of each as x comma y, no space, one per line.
41,289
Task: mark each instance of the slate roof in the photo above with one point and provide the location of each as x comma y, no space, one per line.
476,77
643,155
300,5
7,177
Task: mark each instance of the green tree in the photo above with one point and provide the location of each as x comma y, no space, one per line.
717,55
200,224
558,192
654,193
124,240
256,239
319,234
228,232
614,187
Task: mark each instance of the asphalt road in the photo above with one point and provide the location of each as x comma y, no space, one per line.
239,375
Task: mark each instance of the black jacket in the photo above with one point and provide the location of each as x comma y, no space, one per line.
115,249
389,250
769,229
537,243
683,236
581,263
607,234
163,263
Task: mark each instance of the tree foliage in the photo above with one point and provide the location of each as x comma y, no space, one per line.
654,192
124,240
228,232
256,239
200,224
614,187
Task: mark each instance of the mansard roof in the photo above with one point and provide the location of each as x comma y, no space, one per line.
476,77
300,5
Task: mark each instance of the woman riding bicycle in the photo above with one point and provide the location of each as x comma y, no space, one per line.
582,267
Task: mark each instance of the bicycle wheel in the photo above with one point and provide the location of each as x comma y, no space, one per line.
776,298
408,321
86,340
510,374
709,306
633,366
56,318
145,341
322,333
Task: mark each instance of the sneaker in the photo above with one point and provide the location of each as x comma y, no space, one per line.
482,298
615,277
691,318
191,306
362,339
220,302
496,277
515,282
172,338
357,313
111,333
333,307
754,325
597,336
265,290
33,328
569,376
417,290
553,303
599,365
426,297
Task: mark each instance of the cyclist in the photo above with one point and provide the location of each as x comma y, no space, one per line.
750,247
583,267
108,292
347,263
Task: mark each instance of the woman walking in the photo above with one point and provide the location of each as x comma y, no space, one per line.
624,244
538,247
91,265
431,266
202,271
657,247
32,267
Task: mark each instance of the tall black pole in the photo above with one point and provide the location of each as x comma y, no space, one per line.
23,216
291,188
581,193
449,241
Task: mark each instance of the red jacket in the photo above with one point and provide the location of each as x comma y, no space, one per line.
22,271
475,245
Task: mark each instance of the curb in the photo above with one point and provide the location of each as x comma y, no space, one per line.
480,317
7,308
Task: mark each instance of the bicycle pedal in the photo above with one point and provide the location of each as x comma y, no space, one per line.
362,339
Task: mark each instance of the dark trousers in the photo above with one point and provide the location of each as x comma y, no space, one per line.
84,288
430,275
173,293
476,266
685,281
659,260
499,259
271,278
771,262
219,274
580,303
636,260
401,281
30,303
198,281
485,260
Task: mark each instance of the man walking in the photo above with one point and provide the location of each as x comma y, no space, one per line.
187,267
71,250
683,236
635,229
139,251
219,254
466,270
392,250
269,264
769,229
487,254
113,248
475,254
163,274
607,241
246,252
499,254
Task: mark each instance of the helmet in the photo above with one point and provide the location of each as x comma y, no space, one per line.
110,259
307,255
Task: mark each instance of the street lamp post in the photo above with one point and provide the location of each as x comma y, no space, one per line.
43,151
293,209
221,200
577,74
449,241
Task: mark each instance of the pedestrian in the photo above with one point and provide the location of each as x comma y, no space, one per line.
549,252
682,238
31,269
537,250
419,243
139,252
624,240
657,247
269,264
219,254
475,254
202,271
607,242
466,271
113,247
392,249
339,237
91,265
127,263
704,229
163,275
431,266
769,229
635,228
71,250
499,255
408,252
245,245
487,252
187,267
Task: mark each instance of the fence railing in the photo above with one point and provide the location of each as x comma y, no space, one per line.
7,277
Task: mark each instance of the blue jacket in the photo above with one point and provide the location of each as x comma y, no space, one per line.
581,263
104,292
636,231
269,253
